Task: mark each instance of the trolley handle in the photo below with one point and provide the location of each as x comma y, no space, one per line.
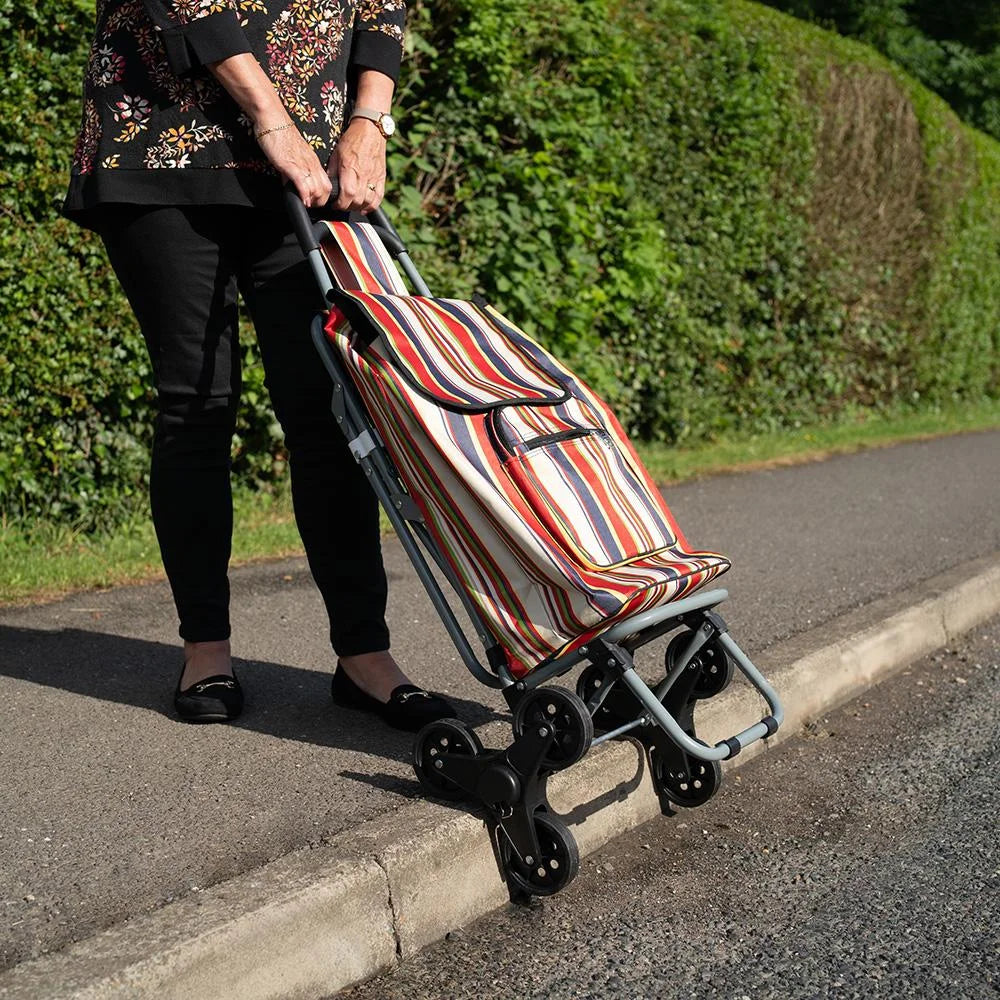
310,234
307,232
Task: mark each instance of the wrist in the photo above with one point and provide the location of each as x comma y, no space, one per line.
363,124
267,130
267,114
382,121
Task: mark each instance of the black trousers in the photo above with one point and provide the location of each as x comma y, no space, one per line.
181,269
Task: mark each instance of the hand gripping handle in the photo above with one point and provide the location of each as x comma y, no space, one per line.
310,234
307,232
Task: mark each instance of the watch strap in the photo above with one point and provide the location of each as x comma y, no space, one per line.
382,120
370,113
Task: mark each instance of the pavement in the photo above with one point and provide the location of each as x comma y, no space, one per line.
164,849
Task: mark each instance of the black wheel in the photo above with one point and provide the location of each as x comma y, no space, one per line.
564,712
436,738
556,866
714,665
592,679
687,785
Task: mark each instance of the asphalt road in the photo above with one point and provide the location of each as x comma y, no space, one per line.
861,859
110,807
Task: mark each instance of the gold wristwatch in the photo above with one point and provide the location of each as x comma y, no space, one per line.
384,122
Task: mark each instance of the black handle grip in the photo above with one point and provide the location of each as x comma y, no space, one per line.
310,233
303,226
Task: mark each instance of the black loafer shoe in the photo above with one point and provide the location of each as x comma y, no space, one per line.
215,699
409,708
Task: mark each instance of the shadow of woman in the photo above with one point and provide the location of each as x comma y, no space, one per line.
286,702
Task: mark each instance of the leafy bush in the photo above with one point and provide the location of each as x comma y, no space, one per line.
724,218
75,402
953,48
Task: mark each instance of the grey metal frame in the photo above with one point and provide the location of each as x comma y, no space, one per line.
628,635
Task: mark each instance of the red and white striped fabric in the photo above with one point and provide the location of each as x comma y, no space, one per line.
526,480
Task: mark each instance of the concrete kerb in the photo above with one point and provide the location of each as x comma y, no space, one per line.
285,930
320,920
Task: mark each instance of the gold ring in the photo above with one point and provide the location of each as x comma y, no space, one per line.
371,187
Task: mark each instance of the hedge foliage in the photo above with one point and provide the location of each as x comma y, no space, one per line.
726,219
75,403
953,48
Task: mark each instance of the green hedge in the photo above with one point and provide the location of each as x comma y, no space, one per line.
660,195
75,403
726,219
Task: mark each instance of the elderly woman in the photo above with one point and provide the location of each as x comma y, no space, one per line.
196,112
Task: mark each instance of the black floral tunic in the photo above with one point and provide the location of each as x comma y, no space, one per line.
158,128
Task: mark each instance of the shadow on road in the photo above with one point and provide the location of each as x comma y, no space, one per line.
282,701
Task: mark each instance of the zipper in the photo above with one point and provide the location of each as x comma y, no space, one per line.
496,434
545,439
506,445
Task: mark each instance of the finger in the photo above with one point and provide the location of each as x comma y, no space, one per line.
324,186
345,196
372,196
312,185
302,181
319,187
333,164
351,196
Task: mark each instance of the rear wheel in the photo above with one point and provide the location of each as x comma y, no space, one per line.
445,736
562,711
714,665
590,681
690,783
554,868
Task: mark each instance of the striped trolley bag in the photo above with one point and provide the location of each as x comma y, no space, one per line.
498,465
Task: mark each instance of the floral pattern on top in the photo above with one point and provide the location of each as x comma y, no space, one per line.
134,113
175,145
144,109
186,11
90,137
302,42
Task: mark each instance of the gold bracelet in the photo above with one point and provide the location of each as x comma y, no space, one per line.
277,128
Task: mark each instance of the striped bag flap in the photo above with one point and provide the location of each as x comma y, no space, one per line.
452,352
358,260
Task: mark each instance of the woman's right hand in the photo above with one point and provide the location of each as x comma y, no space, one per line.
296,161
291,156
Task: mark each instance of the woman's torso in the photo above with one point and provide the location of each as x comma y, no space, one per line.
140,117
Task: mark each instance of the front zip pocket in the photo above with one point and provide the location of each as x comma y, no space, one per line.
517,429
544,439
577,483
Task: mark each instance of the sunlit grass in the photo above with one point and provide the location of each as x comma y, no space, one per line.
43,561
668,463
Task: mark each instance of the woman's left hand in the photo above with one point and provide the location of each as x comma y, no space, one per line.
358,165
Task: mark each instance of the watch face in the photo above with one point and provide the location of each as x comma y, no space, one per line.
388,125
